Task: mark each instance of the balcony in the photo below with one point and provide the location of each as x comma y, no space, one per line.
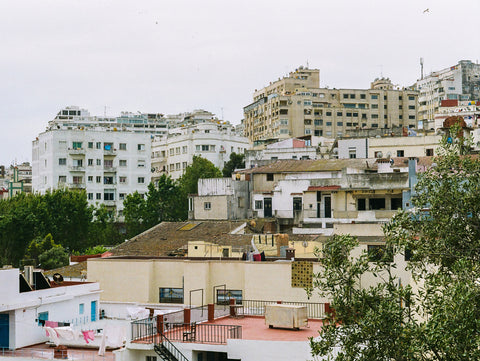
109,152
76,168
73,151
109,168
76,185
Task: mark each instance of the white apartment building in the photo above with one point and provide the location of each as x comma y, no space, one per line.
212,140
107,161
459,82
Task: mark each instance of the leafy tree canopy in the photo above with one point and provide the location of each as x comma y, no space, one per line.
200,168
237,161
54,258
433,317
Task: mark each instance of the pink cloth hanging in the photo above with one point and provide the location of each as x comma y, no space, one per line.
51,324
88,335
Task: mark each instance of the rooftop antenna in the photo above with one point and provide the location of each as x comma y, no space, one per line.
222,113
381,70
307,63
421,67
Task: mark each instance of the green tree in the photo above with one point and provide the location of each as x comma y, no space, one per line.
54,258
164,202
103,229
436,320
237,161
134,211
37,247
200,168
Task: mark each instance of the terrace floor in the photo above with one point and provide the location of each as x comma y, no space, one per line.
254,328
45,351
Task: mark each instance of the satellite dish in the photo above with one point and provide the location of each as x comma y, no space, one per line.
379,155
389,154
57,278
305,244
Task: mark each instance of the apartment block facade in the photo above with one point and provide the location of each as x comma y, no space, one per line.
459,82
107,161
296,106
212,140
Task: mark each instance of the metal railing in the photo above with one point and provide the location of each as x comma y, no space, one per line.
204,333
257,308
144,330
170,347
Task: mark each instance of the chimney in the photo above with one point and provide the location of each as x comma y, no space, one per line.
412,172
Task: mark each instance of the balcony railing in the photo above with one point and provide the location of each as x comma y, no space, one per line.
109,168
77,168
76,151
257,308
204,332
110,152
76,185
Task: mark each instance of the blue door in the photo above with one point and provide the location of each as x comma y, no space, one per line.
94,310
4,331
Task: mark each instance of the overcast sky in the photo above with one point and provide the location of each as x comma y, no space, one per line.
176,56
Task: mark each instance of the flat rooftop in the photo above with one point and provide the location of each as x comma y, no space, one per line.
254,328
45,351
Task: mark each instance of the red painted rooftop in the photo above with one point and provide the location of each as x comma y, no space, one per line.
254,328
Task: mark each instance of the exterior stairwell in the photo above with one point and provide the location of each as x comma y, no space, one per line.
167,350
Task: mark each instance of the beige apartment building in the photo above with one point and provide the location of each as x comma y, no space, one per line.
296,106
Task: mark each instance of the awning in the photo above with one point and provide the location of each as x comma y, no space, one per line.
322,188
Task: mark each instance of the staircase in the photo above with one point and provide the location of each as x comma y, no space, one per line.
167,350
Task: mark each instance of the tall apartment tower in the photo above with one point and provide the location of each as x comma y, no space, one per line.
107,157
296,106
459,82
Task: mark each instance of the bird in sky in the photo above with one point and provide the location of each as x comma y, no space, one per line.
426,10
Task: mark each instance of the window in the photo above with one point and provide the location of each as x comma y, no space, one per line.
258,204
99,196
328,114
122,180
172,150
123,146
90,198
98,179
328,124
99,162
121,196
339,124
90,178
184,165
224,296
141,180
352,153
362,96
141,163
77,145
411,117
400,153
177,150
98,145
150,358
361,204
339,114
109,195
184,149
62,161
140,147
374,96
170,295
172,167
411,107
396,203
77,162
177,166
411,98
429,152
345,96
81,308
62,179
90,162
42,317
207,206
108,180
297,203
108,146
374,116
377,203
77,179
374,106
90,145
122,162
318,122
378,253
269,177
